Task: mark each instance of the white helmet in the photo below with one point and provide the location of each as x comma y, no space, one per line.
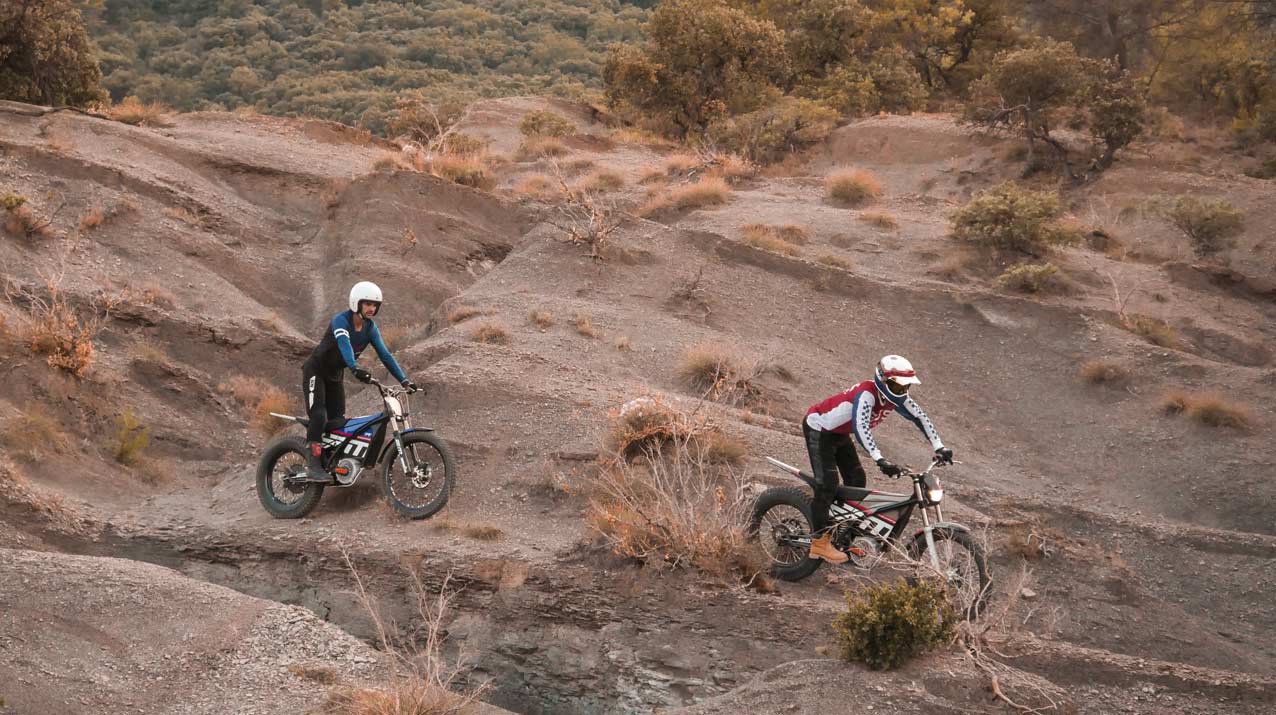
894,374
365,290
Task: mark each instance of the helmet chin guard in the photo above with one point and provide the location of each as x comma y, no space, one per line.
895,371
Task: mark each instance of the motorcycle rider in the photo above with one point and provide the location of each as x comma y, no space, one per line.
828,428
348,333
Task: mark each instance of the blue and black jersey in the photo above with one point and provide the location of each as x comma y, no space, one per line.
342,344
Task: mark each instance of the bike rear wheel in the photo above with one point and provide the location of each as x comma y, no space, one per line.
780,517
962,568
424,487
282,496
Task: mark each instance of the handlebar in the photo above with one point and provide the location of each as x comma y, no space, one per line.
908,472
390,390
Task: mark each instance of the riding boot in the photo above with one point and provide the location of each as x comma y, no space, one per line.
314,464
822,548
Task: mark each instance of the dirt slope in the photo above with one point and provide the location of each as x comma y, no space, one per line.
255,227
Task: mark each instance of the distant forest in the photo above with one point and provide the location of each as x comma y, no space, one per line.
348,60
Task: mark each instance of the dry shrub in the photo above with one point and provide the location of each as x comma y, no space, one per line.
624,344
393,161
59,332
852,186
152,294
490,333
1208,408
679,509
536,186
839,262
420,681
393,336
586,219
541,318
602,180
1027,543
258,398
721,373
585,326
647,424
544,123
132,110
888,624
20,219
129,439
92,219
1157,332
146,349
533,148
1031,278
768,239
34,435
1103,372
462,313
734,168
880,219
641,137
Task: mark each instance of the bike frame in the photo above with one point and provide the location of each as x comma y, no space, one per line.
923,482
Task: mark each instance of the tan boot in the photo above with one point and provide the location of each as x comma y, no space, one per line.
822,548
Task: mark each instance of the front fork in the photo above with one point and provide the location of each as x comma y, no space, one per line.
927,529
403,459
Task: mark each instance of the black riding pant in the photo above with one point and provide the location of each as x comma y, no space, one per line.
325,399
830,453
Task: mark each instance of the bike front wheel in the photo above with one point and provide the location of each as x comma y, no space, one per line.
959,565
418,482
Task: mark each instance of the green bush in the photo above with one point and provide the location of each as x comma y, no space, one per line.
1011,218
542,123
886,83
1210,224
892,623
131,438
775,131
1030,278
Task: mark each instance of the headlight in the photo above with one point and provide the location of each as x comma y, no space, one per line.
935,495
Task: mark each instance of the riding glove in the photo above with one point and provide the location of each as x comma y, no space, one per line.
361,375
944,455
410,386
888,469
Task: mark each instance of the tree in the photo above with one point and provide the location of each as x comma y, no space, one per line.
1031,90
704,59
45,54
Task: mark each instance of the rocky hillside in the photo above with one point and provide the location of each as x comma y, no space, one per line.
215,248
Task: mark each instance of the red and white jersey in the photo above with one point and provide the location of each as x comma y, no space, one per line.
858,410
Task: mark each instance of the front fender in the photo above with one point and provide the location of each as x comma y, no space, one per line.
390,444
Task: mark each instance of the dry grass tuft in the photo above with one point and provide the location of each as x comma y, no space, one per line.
490,333
585,326
1103,372
768,239
541,318
466,170
533,148
536,186
721,373
709,191
624,344
132,110
681,164
34,435
602,180
852,186
1155,331
880,219
322,674
462,313
21,221
60,332
1027,542
839,262
652,175
1208,408
1032,278
130,438
483,532
92,219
